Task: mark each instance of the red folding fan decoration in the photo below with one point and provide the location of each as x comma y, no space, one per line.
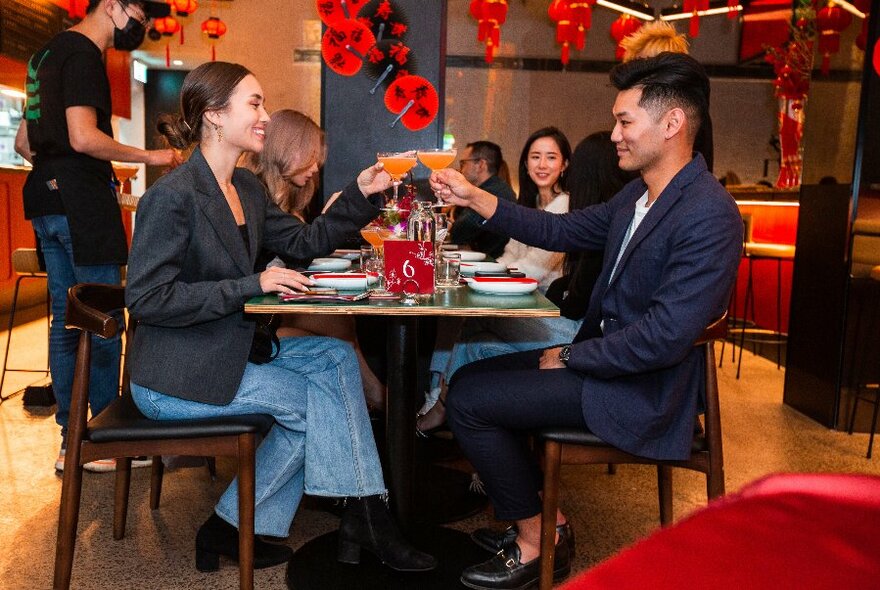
344,46
332,11
414,99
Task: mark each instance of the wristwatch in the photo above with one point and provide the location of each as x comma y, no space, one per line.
565,354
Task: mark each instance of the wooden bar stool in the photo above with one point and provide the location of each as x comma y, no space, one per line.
25,265
757,251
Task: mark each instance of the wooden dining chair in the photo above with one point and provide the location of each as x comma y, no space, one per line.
122,432
573,446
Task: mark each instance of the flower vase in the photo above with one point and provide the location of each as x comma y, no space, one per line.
791,132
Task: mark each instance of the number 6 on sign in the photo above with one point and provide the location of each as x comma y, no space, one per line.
409,261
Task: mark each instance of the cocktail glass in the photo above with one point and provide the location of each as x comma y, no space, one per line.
397,164
437,159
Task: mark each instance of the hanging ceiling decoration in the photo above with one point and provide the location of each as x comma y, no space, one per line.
831,20
490,15
624,26
213,28
166,27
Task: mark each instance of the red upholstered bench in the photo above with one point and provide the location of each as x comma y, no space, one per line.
805,531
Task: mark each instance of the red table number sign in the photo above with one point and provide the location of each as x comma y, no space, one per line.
409,266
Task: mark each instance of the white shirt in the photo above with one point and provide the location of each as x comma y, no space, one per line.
541,265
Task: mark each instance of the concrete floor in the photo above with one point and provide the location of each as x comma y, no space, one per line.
761,436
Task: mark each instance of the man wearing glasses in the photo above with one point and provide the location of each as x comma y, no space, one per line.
479,163
70,195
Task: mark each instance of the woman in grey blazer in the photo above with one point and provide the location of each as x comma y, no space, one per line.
199,230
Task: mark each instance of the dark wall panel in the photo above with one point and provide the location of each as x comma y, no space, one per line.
357,123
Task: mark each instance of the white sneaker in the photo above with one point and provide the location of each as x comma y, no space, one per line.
102,465
106,465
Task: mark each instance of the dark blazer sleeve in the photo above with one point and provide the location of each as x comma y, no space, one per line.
583,229
695,284
164,285
290,238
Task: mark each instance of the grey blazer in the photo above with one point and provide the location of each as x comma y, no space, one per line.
189,275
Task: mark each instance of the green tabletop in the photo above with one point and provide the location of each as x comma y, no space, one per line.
457,301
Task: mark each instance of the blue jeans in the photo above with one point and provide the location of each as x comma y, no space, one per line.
54,234
487,337
321,443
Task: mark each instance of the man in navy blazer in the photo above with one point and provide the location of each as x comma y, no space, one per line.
672,241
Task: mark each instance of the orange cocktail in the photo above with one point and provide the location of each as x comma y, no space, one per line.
397,164
436,159
376,236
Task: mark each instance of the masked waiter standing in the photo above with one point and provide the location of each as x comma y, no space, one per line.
70,195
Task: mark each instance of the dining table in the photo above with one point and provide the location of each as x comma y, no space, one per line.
314,565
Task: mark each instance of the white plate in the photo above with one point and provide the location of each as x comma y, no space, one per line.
469,268
330,264
347,254
467,255
352,281
502,286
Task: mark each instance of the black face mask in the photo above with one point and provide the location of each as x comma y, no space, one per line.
129,38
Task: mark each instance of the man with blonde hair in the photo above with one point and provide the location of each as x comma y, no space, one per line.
653,39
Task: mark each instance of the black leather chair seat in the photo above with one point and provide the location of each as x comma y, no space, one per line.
122,421
577,436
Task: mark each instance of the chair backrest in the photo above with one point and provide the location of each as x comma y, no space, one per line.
90,309
26,262
715,331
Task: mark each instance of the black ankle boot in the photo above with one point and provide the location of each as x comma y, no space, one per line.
367,524
217,537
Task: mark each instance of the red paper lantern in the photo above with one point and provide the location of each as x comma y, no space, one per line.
830,21
732,11
184,7
694,6
214,28
167,26
582,19
624,26
561,12
490,15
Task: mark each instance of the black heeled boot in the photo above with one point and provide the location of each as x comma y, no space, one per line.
368,525
217,537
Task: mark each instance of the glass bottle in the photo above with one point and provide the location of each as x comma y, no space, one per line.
421,226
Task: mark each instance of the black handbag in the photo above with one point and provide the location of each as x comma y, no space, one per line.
265,345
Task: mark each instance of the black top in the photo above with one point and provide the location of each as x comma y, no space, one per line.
571,293
468,229
69,71
244,236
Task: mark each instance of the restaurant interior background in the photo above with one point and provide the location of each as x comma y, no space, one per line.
525,88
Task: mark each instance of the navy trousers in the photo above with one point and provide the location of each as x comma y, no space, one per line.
492,405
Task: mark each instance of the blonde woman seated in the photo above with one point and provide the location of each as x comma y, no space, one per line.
288,166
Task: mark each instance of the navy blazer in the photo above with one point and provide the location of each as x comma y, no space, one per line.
644,380
189,275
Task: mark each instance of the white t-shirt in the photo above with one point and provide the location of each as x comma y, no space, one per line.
639,214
